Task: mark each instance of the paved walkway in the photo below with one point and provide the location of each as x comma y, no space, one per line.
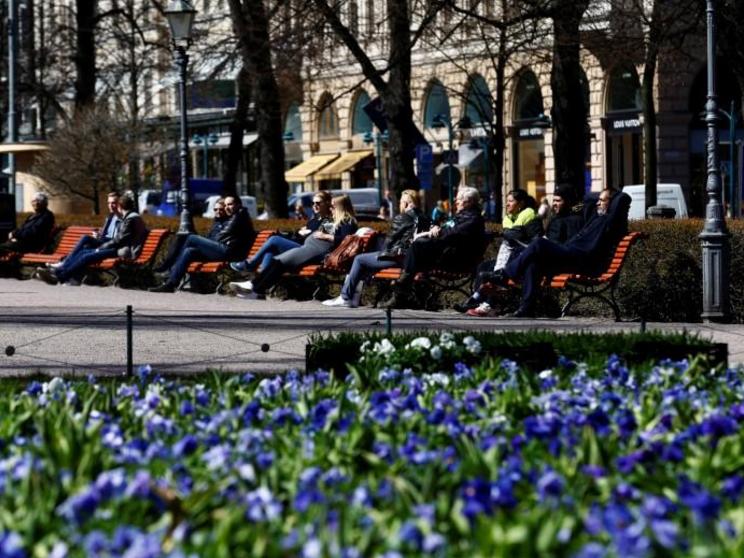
82,330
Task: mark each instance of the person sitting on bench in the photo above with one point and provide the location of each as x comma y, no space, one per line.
408,221
232,242
456,246
320,243
586,253
127,243
278,244
34,234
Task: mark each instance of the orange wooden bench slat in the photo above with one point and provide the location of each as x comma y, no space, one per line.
70,237
214,267
149,249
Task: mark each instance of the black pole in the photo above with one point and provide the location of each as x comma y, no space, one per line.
186,226
388,321
714,239
130,364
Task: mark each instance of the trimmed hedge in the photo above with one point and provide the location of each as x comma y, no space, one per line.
534,350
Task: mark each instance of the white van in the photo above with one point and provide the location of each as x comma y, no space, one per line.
249,202
670,195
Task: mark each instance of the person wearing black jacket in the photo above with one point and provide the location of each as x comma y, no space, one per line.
231,243
127,242
565,220
408,221
455,246
34,234
178,243
587,252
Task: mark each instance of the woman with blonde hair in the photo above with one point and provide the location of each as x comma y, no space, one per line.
328,235
408,220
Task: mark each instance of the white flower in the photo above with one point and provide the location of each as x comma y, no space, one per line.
56,385
436,379
365,346
436,352
546,374
384,348
420,343
447,340
472,345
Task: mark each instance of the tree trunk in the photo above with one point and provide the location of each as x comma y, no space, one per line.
650,156
85,55
396,99
237,129
252,28
569,113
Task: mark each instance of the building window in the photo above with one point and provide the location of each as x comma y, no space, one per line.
216,93
370,17
293,123
478,105
528,144
361,124
328,121
354,18
624,90
623,131
437,103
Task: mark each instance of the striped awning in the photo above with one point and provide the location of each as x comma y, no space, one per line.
306,169
345,163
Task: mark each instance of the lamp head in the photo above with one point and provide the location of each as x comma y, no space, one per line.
288,136
368,137
180,15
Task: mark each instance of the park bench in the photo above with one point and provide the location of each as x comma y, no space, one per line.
433,283
323,274
205,269
114,267
68,240
602,286
14,258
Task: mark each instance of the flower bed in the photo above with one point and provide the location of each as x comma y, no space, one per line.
478,461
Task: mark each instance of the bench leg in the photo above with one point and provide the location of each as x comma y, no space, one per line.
576,295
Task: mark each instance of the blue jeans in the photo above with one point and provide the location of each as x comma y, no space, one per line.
74,264
274,246
363,267
197,249
85,242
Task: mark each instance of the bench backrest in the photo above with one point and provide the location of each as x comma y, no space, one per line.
620,255
150,248
70,237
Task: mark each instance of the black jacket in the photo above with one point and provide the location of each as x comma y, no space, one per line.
237,234
34,234
216,229
403,227
522,235
463,243
129,237
564,226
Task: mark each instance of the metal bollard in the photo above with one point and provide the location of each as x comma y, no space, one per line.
388,321
130,365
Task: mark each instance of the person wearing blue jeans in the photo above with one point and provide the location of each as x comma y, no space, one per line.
278,244
407,221
234,238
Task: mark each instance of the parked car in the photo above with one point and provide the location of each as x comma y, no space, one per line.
249,202
148,201
201,189
670,195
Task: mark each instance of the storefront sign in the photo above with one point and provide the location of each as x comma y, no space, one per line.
626,124
527,133
425,165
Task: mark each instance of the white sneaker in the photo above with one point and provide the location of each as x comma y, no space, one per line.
54,265
245,286
338,301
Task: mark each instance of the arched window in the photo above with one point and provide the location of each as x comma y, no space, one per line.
293,123
328,119
437,103
624,90
354,17
360,123
529,100
478,105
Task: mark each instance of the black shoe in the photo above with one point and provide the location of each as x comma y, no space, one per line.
163,288
493,277
523,312
463,307
47,275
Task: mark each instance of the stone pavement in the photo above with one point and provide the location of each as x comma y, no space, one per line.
81,330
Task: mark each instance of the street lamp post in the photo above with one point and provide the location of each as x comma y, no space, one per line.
12,129
485,145
205,141
714,239
377,138
180,14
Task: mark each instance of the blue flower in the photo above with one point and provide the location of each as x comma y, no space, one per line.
702,503
186,408
185,446
665,532
410,535
550,485
34,388
732,487
11,545
261,505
